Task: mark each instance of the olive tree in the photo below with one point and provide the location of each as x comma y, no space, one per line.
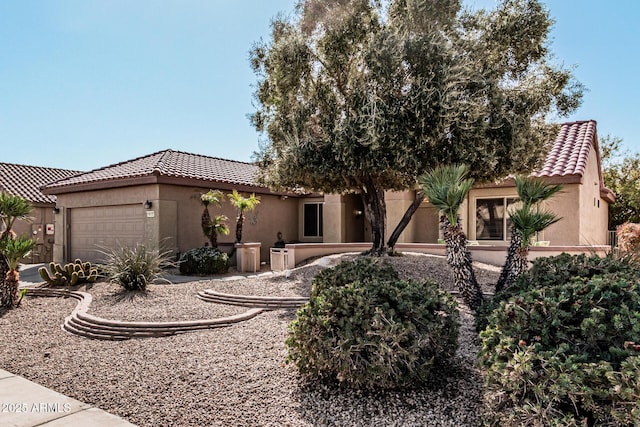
363,96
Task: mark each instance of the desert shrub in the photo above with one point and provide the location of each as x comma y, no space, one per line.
136,267
549,271
366,328
204,261
565,349
629,238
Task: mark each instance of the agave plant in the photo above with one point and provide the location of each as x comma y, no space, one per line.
14,250
528,218
243,204
446,188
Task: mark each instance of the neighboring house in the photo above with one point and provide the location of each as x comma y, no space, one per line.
156,199
573,160
25,181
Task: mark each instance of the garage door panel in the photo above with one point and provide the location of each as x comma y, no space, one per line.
108,226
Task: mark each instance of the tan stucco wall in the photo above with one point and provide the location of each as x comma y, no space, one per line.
426,224
274,214
594,211
108,197
397,204
36,228
566,205
176,216
333,217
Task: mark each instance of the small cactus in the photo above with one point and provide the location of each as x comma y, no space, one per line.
70,274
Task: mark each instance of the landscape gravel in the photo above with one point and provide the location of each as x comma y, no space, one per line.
234,376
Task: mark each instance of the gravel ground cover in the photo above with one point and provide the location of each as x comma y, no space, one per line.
233,376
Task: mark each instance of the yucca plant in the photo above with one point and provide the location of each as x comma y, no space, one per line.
446,188
528,218
242,204
136,267
14,249
212,227
12,208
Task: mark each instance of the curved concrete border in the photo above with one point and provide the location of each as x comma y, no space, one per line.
264,302
83,324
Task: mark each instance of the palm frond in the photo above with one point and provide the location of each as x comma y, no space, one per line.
446,188
530,221
16,249
534,190
12,208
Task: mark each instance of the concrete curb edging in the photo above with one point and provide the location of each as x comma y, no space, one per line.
79,322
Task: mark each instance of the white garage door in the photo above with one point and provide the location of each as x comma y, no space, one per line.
108,226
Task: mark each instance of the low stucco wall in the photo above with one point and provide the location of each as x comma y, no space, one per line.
488,254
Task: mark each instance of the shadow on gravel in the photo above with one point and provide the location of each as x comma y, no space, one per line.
451,397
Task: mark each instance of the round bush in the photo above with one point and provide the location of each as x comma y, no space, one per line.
565,350
366,328
204,261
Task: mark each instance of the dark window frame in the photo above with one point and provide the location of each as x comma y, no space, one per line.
312,227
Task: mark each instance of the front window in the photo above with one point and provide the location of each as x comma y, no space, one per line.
492,218
312,220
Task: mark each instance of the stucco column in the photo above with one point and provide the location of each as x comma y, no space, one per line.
397,204
60,236
333,218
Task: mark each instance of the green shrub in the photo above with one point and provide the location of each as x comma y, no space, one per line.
549,271
565,349
134,268
204,261
366,328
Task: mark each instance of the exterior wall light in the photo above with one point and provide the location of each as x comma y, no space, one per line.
56,210
148,204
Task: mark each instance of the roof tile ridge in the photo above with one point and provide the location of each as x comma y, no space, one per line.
213,157
124,162
22,165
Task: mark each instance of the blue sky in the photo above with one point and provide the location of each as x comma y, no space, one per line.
87,83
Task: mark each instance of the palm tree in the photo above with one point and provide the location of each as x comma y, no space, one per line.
527,219
446,188
242,204
12,208
210,227
14,250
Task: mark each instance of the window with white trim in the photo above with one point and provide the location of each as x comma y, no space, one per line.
492,218
312,224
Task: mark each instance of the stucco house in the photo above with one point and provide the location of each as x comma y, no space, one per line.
156,198
573,160
25,181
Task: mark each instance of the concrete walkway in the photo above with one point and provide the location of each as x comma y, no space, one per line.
24,403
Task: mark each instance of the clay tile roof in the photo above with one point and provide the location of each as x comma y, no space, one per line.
168,163
570,150
26,181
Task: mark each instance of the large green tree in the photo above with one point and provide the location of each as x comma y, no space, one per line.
364,96
621,173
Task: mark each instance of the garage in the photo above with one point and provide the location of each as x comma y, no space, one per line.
109,226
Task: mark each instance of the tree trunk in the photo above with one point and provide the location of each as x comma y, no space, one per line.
239,227
520,265
205,222
405,220
9,289
459,259
507,268
376,211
